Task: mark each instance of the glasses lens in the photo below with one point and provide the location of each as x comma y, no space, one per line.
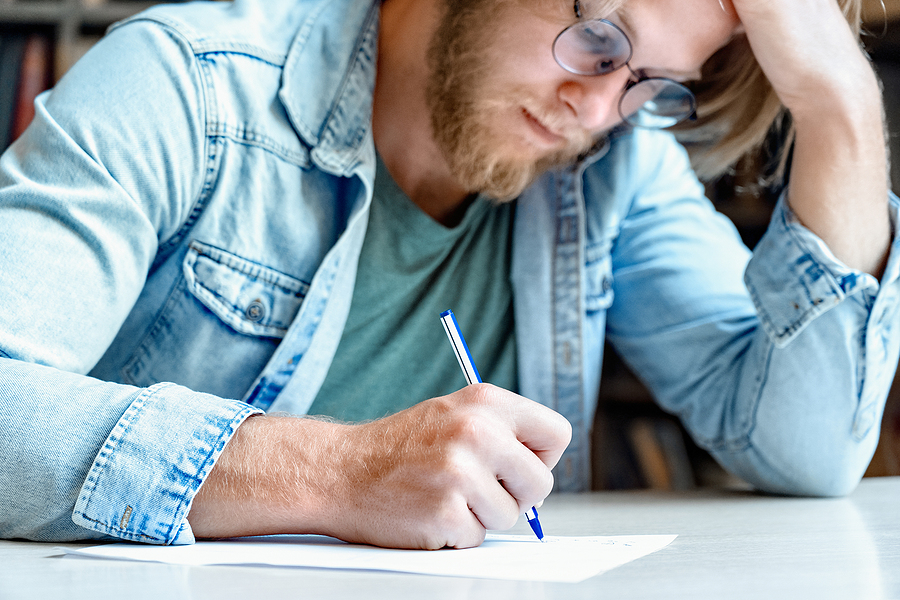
656,103
593,47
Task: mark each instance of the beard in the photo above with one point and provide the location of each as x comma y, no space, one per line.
466,104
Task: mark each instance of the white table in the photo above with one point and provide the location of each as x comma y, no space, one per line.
731,545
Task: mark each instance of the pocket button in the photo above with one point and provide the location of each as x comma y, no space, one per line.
255,312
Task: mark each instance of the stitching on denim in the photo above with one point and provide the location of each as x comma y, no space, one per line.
251,268
183,507
207,106
362,44
178,287
242,135
226,48
120,430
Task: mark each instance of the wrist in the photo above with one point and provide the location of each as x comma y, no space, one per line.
277,475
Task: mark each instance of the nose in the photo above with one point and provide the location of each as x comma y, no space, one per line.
594,99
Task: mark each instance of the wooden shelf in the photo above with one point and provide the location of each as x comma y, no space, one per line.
48,12
75,24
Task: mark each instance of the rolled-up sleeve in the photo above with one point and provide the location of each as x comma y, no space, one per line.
109,169
777,362
835,348
140,489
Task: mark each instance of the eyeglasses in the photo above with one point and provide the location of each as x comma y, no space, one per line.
599,47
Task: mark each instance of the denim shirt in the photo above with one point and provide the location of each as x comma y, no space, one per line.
179,234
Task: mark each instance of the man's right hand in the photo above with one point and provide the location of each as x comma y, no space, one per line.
437,474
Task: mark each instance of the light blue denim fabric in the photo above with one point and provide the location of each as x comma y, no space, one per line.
179,232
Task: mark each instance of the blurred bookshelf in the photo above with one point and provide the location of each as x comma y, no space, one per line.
39,41
73,25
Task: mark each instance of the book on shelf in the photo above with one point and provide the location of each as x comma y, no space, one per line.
35,76
12,48
25,71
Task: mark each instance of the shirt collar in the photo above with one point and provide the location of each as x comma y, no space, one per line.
329,81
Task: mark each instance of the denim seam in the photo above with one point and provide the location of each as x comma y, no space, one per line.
255,270
108,448
816,307
211,162
861,407
127,371
245,137
273,59
742,442
362,44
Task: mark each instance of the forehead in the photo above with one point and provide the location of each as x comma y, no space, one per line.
598,8
589,8
679,35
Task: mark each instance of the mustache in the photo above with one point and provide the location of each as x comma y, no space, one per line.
560,124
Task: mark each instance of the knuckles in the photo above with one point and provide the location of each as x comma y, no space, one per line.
437,453
472,430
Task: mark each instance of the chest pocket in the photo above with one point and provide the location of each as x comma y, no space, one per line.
598,277
248,297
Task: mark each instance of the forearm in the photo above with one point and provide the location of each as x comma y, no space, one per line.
838,180
276,475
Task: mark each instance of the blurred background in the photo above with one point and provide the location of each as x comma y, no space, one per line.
636,445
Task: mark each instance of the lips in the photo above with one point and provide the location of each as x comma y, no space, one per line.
544,134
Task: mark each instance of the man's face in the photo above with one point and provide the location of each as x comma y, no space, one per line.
503,111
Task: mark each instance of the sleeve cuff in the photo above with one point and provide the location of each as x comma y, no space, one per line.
142,482
793,277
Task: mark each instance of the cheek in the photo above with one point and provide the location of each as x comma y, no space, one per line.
522,46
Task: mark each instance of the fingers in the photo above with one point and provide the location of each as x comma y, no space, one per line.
511,445
443,471
525,477
805,48
492,504
545,432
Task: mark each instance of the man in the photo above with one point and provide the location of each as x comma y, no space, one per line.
272,201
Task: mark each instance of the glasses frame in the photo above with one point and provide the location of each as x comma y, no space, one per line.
639,80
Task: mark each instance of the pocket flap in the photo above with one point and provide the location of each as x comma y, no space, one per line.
247,296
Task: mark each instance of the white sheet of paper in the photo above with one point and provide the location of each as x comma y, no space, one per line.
517,557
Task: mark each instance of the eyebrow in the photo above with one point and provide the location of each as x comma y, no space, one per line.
625,16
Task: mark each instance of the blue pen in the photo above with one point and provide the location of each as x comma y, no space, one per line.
471,373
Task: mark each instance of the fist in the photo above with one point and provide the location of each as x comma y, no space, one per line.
442,472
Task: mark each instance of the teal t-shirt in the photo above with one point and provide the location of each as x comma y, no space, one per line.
394,352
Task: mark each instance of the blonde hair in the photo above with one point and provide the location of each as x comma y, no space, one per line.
737,109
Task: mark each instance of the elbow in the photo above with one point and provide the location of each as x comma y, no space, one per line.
829,484
819,475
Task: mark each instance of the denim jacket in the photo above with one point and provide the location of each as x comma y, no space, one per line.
179,234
